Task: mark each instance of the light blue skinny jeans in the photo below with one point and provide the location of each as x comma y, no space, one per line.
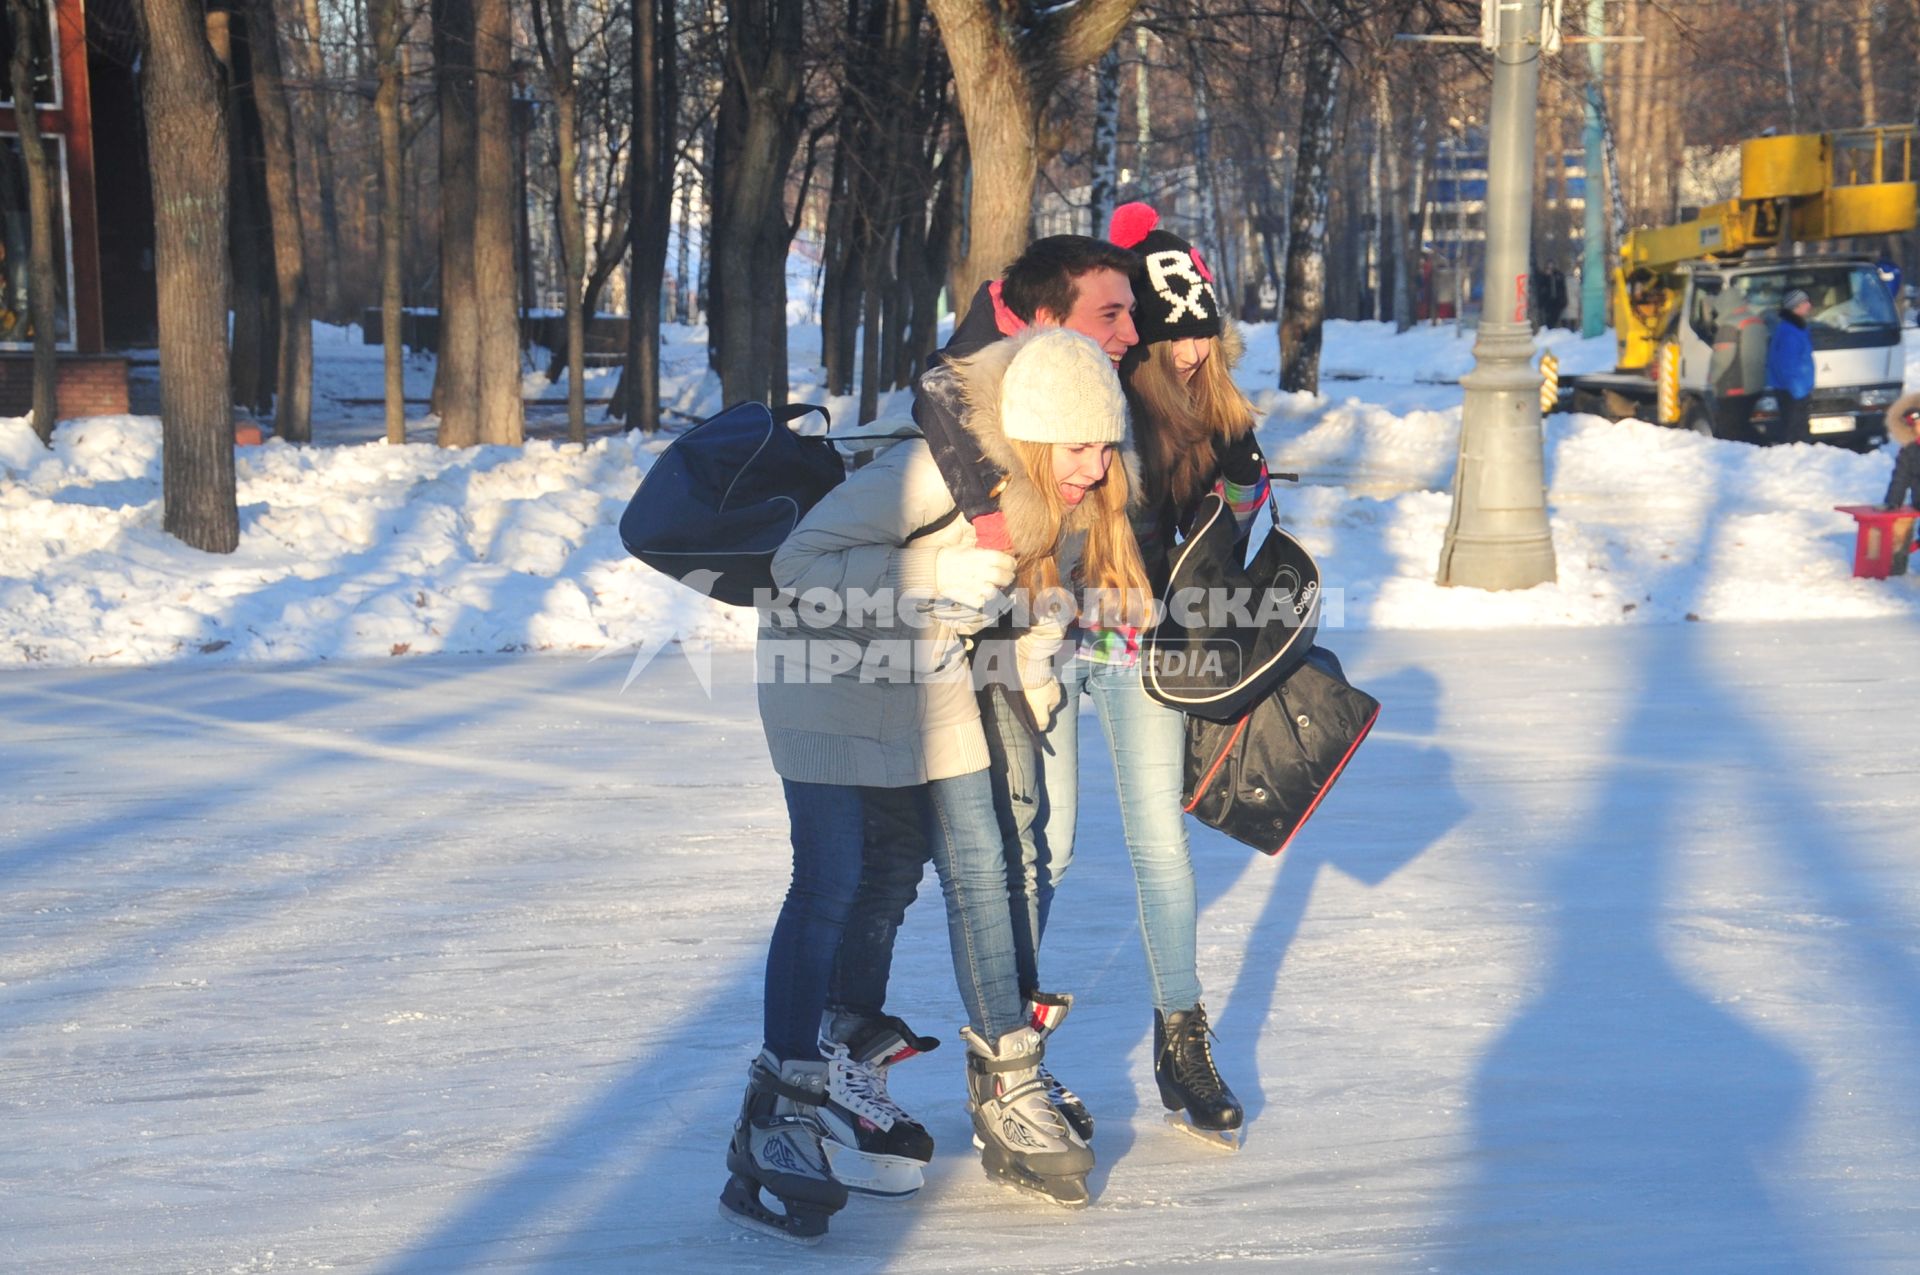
1038,793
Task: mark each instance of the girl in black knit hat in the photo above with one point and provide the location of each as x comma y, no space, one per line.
1193,430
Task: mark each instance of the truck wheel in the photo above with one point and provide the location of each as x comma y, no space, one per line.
1697,418
1618,407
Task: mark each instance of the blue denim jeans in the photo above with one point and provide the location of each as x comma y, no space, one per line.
970,857
1039,794
893,833
827,831
897,845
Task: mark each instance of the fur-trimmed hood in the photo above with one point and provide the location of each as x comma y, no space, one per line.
1898,427
978,378
1233,343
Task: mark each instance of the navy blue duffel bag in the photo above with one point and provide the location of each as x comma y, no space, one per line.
721,498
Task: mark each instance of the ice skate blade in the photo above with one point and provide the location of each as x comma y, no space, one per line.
1067,1191
878,1177
767,1228
1062,1193
1226,1141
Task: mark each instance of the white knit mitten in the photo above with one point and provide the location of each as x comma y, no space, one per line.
971,577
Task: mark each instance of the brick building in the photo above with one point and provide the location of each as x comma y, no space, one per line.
87,104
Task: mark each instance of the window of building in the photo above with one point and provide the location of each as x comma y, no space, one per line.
46,67
16,331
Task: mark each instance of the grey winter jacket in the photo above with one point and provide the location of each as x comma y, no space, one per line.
884,696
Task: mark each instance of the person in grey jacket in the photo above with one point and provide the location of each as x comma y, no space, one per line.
865,688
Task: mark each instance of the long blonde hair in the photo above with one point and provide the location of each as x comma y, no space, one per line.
1111,567
1176,424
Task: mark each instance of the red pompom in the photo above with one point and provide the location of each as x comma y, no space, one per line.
1131,223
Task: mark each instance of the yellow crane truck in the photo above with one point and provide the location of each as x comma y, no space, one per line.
1694,303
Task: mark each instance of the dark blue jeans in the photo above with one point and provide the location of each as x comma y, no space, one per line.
894,859
828,830
858,858
951,824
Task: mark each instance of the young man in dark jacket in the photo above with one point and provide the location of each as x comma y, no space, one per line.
1068,281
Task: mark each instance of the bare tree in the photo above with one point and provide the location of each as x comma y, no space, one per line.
1106,142
253,360
755,140
313,59
1007,60
180,90
555,40
494,223
293,391
1303,305
656,108
389,34
40,277
456,391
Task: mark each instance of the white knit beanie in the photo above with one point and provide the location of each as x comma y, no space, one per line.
1061,388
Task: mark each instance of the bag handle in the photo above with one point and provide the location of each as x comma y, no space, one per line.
792,412
1273,505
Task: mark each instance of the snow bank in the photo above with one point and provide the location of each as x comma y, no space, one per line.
1649,524
345,551
366,549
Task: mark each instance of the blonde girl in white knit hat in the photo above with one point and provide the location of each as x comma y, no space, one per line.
856,732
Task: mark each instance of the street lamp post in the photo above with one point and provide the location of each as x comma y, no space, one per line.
1498,537
1593,270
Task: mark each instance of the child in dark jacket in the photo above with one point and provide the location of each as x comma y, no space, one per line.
1903,424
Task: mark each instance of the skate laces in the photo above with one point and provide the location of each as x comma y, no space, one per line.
1193,1056
862,1089
1057,1094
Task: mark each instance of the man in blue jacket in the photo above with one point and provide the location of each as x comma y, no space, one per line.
1790,366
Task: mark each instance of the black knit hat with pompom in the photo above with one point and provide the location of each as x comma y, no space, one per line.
1173,293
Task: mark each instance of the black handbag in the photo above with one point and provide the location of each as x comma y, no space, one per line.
1260,777
1229,633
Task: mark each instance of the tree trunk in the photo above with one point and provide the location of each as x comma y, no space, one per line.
837,254
41,300
656,109
1142,110
457,372
754,141
949,202
386,109
496,186
1303,303
319,136
1391,144
709,131
556,51
1105,158
1002,76
1203,177
253,359
685,309
607,258
180,93
293,397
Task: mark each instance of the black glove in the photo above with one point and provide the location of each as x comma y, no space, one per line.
1242,464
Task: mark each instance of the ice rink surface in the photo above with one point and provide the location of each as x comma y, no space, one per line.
1604,956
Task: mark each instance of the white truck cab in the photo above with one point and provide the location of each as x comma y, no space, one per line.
1728,315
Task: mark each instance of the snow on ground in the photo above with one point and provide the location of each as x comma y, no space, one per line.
1601,958
355,548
